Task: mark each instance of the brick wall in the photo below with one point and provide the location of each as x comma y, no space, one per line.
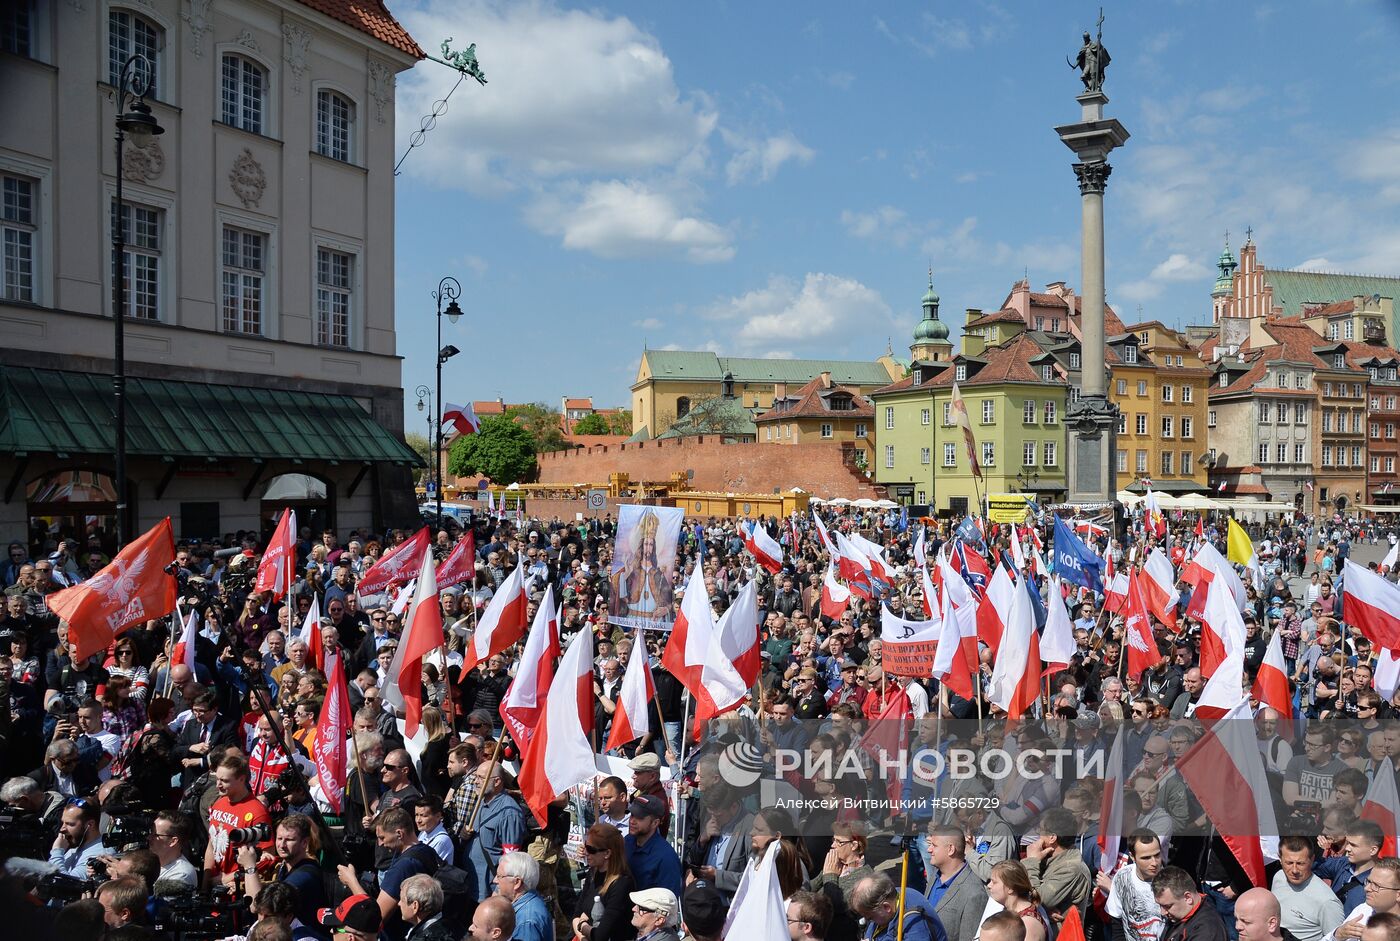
739,468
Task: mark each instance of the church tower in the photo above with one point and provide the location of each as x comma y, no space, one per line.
1224,289
931,335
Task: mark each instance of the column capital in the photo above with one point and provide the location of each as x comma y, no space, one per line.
1093,177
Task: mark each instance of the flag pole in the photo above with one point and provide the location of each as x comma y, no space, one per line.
490,769
678,838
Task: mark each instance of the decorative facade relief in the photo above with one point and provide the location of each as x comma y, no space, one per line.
381,86
247,40
247,179
296,42
197,17
142,164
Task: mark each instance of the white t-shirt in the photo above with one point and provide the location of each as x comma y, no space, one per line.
1131,901
179,870
1309,912
1361,914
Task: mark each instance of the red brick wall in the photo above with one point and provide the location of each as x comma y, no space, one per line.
737,468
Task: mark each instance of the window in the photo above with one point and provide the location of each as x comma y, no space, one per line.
1210,418
129,35
1327,455
889,455
1264,411
1356,455
950,455
1339,360
1166,393
1187,463
826,429
1186,428
1375,402
1047,373
860,429
1356,423
889,417
923,455
1283,380
1297,454
1327,421
1142,387
960,372
1168,423
1122,423
1263,454
1028,412
137,274
1327,389
1040,323
1167,463
989,454
1185,390
1390,399
924,415
1282,451
1141,463
1224,379
1130,354
335,114
1375,464
1028,454
243,86
1122,386
17,231
1048,451
1073,394
989,411
1143,337
244,261
1122,462
1300,413
947,414
1140,423
1331,331
787,432
1051,417
1375,429
1390,429
334,279
1211,453
1390,465
923,496
1356,390
1300,381
768,433
1074,361
16,28
1054,324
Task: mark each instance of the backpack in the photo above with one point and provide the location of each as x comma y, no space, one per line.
458,886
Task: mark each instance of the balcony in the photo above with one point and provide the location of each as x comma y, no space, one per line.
1373,330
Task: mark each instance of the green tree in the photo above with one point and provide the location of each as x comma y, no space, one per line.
621,421
594,424
502,450
545,425
424,447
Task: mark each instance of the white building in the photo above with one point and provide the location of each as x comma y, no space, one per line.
260,259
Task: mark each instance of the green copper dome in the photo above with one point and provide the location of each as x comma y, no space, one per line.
930,329
930,297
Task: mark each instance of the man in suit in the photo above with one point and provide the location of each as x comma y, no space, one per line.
63,772
206,729
954,890
721,850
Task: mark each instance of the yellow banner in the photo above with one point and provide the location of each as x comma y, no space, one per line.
1008,507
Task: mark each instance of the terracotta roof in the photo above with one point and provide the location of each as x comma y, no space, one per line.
1009,362
906,383
372,17
1206,351
578,403
999,316
1358,352
1327,310
1246,488
1047,300
810,401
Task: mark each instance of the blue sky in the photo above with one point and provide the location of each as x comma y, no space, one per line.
774,179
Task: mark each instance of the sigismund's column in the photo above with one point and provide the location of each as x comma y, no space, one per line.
1092,421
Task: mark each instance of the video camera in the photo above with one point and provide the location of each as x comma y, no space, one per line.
218,913
24,835
61,888
128,831
288,782
242,836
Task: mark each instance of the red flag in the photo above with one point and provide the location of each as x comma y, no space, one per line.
1382,805
631,720
732,661
502,623
684,656
422,636
460,564
764,549
311,636
835,596
132,588
1271,682
994,611
395,567
1142,646
276,570
1072,929
561,754
332,727
185,647
1370,604
524,701
889,732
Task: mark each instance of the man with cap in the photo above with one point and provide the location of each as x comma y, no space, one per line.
653,862
646,780
850,690
1087,743
654,914
358,916
703,913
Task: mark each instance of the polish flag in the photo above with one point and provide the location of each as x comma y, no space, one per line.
1208,565
277,569
310,635
930,597
764,549
1382,805
835,596
955,661
874,554
1221,488
631,719
502,623
524,701
920,552
328,749
853,566
1225,770
1222,630
1160,586
994,611
1387,678
459,419
422,636
1116,593
1142,646
1111,810
395,567
686,648
1222,692
1271,682
460,564
825,536
1201,526
1015,682
560,755
1371,604
1057,644
732,660
184,648
1391,557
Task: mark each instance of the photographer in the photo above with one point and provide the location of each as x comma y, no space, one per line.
170,840
231,818
27,797
79,839
295,845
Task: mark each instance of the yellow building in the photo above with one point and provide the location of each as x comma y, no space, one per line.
670,383
820,411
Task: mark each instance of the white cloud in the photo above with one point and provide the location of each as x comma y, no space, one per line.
647,323
821,307
1180,267
884,223
1377,161
629,219
475,264
759,160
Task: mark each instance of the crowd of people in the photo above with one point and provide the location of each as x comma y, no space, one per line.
142,783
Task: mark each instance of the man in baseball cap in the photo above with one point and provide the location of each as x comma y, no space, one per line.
653,862
646,781
654,914
358,915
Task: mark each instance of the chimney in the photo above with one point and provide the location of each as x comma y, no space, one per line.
779,391
1057,288
973,313
826,380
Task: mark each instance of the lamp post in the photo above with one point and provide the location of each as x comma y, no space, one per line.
135,83
1028,478
447,288
423,392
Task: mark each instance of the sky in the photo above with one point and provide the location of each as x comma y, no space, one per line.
776,179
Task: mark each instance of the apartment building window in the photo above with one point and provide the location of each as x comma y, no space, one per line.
923,496
1122,386
1297,454
889,455
1049,451
1047,373
1263,454
1375,399
17,231
245,255
335,116
1300,381
1167,457
1390,465
1339,361
950,455
1122,462
1073,394
768,433
960,372
1168,423
1331,331
1028,412
1356,455
860,429
1186,426
826,430
1054,324
947,414
1211,452
1187,463
1074,361
1028,454
1142,388
1130,354
334,285
1327,389
989,411
1300,413
1265,411
1375,464
1356,423
1210,418
1348,330
1327,421
1050,415
989,454
1356,390
1224,379
1141,463
1390,399
129,35
1122,424
244,83
1141,423
1390,429
137,273
1327,455
924,416
1281,451
17,27
1166,393
889,417
1375,429
1185,390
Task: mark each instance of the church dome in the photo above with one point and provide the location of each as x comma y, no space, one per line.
930,329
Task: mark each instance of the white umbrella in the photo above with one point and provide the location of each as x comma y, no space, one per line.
886,504
865,503
513,487
839,501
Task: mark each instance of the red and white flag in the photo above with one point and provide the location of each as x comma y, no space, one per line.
825,536
185,646
503,622
132,588
955,662
854,566
524,701
277,568
1115,593
632,718
835,596
1371,605
459,420
460,564
732,660
561,753
1111,810
310,635
932,609
1015,682
763,547
422,636
1271,682
874,555
959,409
1225,770
1222,692
395,567
1382,805
328,750
1160,585
686,648
1387,678
1137,630
994,611
1057,646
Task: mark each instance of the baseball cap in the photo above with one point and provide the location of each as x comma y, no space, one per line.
660,901
358,913
705,911
648,805
647,761
1087,720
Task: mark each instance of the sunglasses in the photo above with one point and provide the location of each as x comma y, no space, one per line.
476,725
389,767
592,849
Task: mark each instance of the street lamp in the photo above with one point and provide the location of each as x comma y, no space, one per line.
423,392
447,288
135,83
1027,478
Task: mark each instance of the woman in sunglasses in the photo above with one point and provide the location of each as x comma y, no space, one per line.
604,905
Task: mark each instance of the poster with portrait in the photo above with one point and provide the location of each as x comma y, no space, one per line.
644,567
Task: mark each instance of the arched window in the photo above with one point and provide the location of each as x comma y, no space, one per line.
129,34
682,406
335,121
244,87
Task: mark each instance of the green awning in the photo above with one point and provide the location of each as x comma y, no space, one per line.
47,411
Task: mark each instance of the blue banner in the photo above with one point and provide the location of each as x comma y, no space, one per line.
968,531
1074,561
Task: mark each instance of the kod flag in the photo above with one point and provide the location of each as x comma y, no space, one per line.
1074,561
968,531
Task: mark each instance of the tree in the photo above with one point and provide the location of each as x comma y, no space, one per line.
502,450
594,424
545,425
621,421
424,448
